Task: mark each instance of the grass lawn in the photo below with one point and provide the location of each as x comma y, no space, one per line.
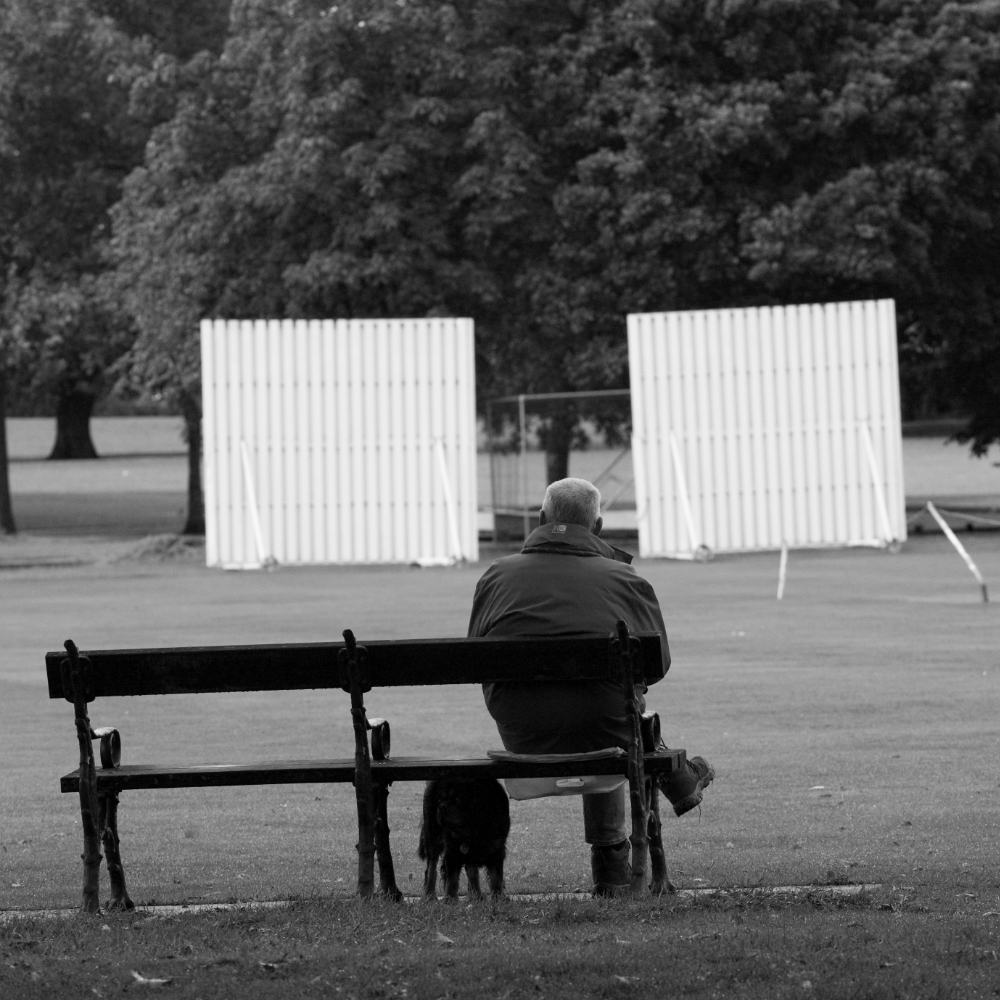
877,678
854,728
755,947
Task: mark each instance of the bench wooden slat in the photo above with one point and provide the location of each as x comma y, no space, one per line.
135,776
298,666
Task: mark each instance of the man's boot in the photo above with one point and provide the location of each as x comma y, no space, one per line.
611,869
684,787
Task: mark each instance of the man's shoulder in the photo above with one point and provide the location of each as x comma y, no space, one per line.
504,566
620,574
546,565
506,562
559,558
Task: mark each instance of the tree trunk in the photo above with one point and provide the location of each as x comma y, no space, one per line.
196,497
73,426
558,437
7,525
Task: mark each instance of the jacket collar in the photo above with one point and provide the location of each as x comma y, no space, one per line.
571,540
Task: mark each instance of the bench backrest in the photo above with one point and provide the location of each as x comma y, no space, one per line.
388,663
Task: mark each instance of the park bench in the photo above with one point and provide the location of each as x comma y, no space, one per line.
82,676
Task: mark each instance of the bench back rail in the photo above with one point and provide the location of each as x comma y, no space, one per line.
388,663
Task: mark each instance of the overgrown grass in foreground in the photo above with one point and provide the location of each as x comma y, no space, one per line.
749,946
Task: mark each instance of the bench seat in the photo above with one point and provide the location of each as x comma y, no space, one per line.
622,658
127,777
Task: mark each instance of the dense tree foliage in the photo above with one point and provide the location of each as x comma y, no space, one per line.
892,187
545,166
67,140
66,143
179,28
375,159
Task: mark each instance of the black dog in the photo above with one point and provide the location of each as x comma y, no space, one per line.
465,824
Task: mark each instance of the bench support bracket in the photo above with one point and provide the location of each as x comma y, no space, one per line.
386,869
120,899
352,657
89,809
651,743
661,880
636,778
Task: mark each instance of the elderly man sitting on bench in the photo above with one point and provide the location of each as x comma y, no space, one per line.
568,581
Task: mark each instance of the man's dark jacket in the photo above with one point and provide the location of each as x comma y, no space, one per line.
565,581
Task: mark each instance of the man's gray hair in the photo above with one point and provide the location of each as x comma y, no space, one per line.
572,501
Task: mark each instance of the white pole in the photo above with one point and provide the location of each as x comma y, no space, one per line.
605,504
883,509
960,549
265,559
782,570
523,423
683,491
493,467
448,502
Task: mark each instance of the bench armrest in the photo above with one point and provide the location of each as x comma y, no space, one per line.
381,743
111,746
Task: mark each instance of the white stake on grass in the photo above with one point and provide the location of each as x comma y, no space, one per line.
880,503
782,568
448,502
960,549
685,499
262,555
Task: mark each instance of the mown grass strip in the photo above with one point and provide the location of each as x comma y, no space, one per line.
750,945
173,910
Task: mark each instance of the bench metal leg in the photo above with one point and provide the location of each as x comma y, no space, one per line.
77,673
636,778
353,659
386,869
661,880
120,899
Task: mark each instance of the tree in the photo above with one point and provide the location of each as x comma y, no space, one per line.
255,197
67,140
67,144
159,284
69,336
164,357
769,152
866,141
179,28
913,209
546,78
375,159
170,250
